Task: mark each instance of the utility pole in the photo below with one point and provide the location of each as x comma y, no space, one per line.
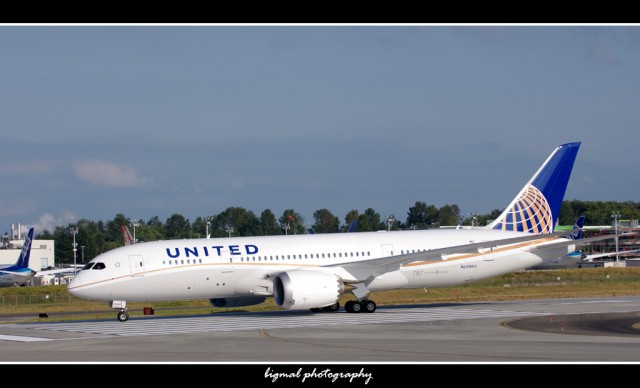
134,224
390,220
74,231
616,215
474,219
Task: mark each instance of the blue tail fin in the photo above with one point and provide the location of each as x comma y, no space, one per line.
25,253
537,206
577,229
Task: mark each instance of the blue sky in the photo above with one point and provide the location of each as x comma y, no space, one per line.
156,120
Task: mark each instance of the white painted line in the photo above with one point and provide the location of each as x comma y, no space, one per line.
17,338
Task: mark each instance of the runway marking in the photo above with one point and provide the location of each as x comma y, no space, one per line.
592,301
21,338
253,321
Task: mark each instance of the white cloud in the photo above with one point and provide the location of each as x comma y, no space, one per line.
107,174
49,222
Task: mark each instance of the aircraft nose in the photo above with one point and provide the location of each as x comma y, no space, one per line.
74,286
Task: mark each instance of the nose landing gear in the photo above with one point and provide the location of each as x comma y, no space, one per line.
121,305
123,315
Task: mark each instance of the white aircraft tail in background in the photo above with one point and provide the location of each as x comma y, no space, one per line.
312,271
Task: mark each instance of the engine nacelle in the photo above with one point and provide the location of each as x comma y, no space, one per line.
301,290
239,301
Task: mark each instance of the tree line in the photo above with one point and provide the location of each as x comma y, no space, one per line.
93,237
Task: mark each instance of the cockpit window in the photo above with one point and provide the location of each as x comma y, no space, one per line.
88,266
99,266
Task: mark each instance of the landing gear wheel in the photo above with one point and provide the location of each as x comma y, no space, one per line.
368,306
348,307
332,308
356,307
123,316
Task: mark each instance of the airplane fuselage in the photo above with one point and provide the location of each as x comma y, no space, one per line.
245,266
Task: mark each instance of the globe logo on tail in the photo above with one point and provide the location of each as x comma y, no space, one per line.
530,212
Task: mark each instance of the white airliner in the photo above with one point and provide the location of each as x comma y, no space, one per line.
313,271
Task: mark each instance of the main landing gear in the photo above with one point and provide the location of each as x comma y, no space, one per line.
365,305
362,305
352,306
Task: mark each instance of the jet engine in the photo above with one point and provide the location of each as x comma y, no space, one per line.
239,301
299,290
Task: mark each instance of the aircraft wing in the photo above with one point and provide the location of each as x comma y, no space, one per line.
365,269
54,271
608,254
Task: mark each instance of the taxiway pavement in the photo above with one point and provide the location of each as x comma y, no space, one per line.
548,331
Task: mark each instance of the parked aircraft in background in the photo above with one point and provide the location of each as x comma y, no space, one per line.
313,271
126,235
19,274
571,259
589,258
575,258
